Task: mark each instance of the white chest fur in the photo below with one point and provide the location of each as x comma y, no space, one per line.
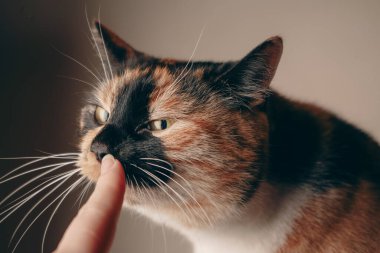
262,226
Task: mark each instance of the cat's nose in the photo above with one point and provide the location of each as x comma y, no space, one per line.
100,150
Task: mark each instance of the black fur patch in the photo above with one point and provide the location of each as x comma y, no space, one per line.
323,153
126,139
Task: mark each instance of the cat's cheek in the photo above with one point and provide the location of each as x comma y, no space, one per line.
89,166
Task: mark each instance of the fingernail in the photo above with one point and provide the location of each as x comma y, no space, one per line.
107,162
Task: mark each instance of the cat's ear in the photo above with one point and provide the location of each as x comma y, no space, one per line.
111,46
248,81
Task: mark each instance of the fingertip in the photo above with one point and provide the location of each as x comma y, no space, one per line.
107,162
112,171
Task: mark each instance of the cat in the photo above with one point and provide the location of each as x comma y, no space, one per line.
211,150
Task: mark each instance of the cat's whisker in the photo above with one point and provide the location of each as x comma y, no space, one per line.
80,64
138,188
131,184
157,159
84,192
170,170
190,195
72,187
79,80
91,64
32,180
39,186
159,185
143,192
35,169
62,178
177,80
37,159
21,203
146,193
59,154
41,212
163,183
185,74
188,184
96,45
134,178
88,189
145,187
168,186
81,193
104,47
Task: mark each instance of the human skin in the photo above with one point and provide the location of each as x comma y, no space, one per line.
93,228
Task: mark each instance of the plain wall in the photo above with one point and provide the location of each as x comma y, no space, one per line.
331,57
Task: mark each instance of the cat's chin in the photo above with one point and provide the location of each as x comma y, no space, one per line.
176,218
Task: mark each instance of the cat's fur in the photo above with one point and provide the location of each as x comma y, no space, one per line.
242,168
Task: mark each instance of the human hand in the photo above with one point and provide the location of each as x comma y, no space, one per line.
93,229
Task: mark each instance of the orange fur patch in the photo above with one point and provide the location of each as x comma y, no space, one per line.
341,220
90,167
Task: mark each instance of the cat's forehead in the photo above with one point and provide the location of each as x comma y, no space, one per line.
110,89
157,87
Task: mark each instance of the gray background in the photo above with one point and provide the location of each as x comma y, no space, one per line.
331,57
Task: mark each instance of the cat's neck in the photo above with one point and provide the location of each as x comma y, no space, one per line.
305,147
296,139
262,225
308,145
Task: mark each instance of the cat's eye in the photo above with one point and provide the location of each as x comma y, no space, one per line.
101,115
159,125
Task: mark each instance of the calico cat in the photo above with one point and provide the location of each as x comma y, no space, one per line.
211,150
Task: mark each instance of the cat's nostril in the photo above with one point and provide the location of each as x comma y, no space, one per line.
100,150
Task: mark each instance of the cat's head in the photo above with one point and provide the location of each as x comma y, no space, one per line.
191,136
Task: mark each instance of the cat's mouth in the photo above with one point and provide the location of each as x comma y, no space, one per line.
143,172
146,173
